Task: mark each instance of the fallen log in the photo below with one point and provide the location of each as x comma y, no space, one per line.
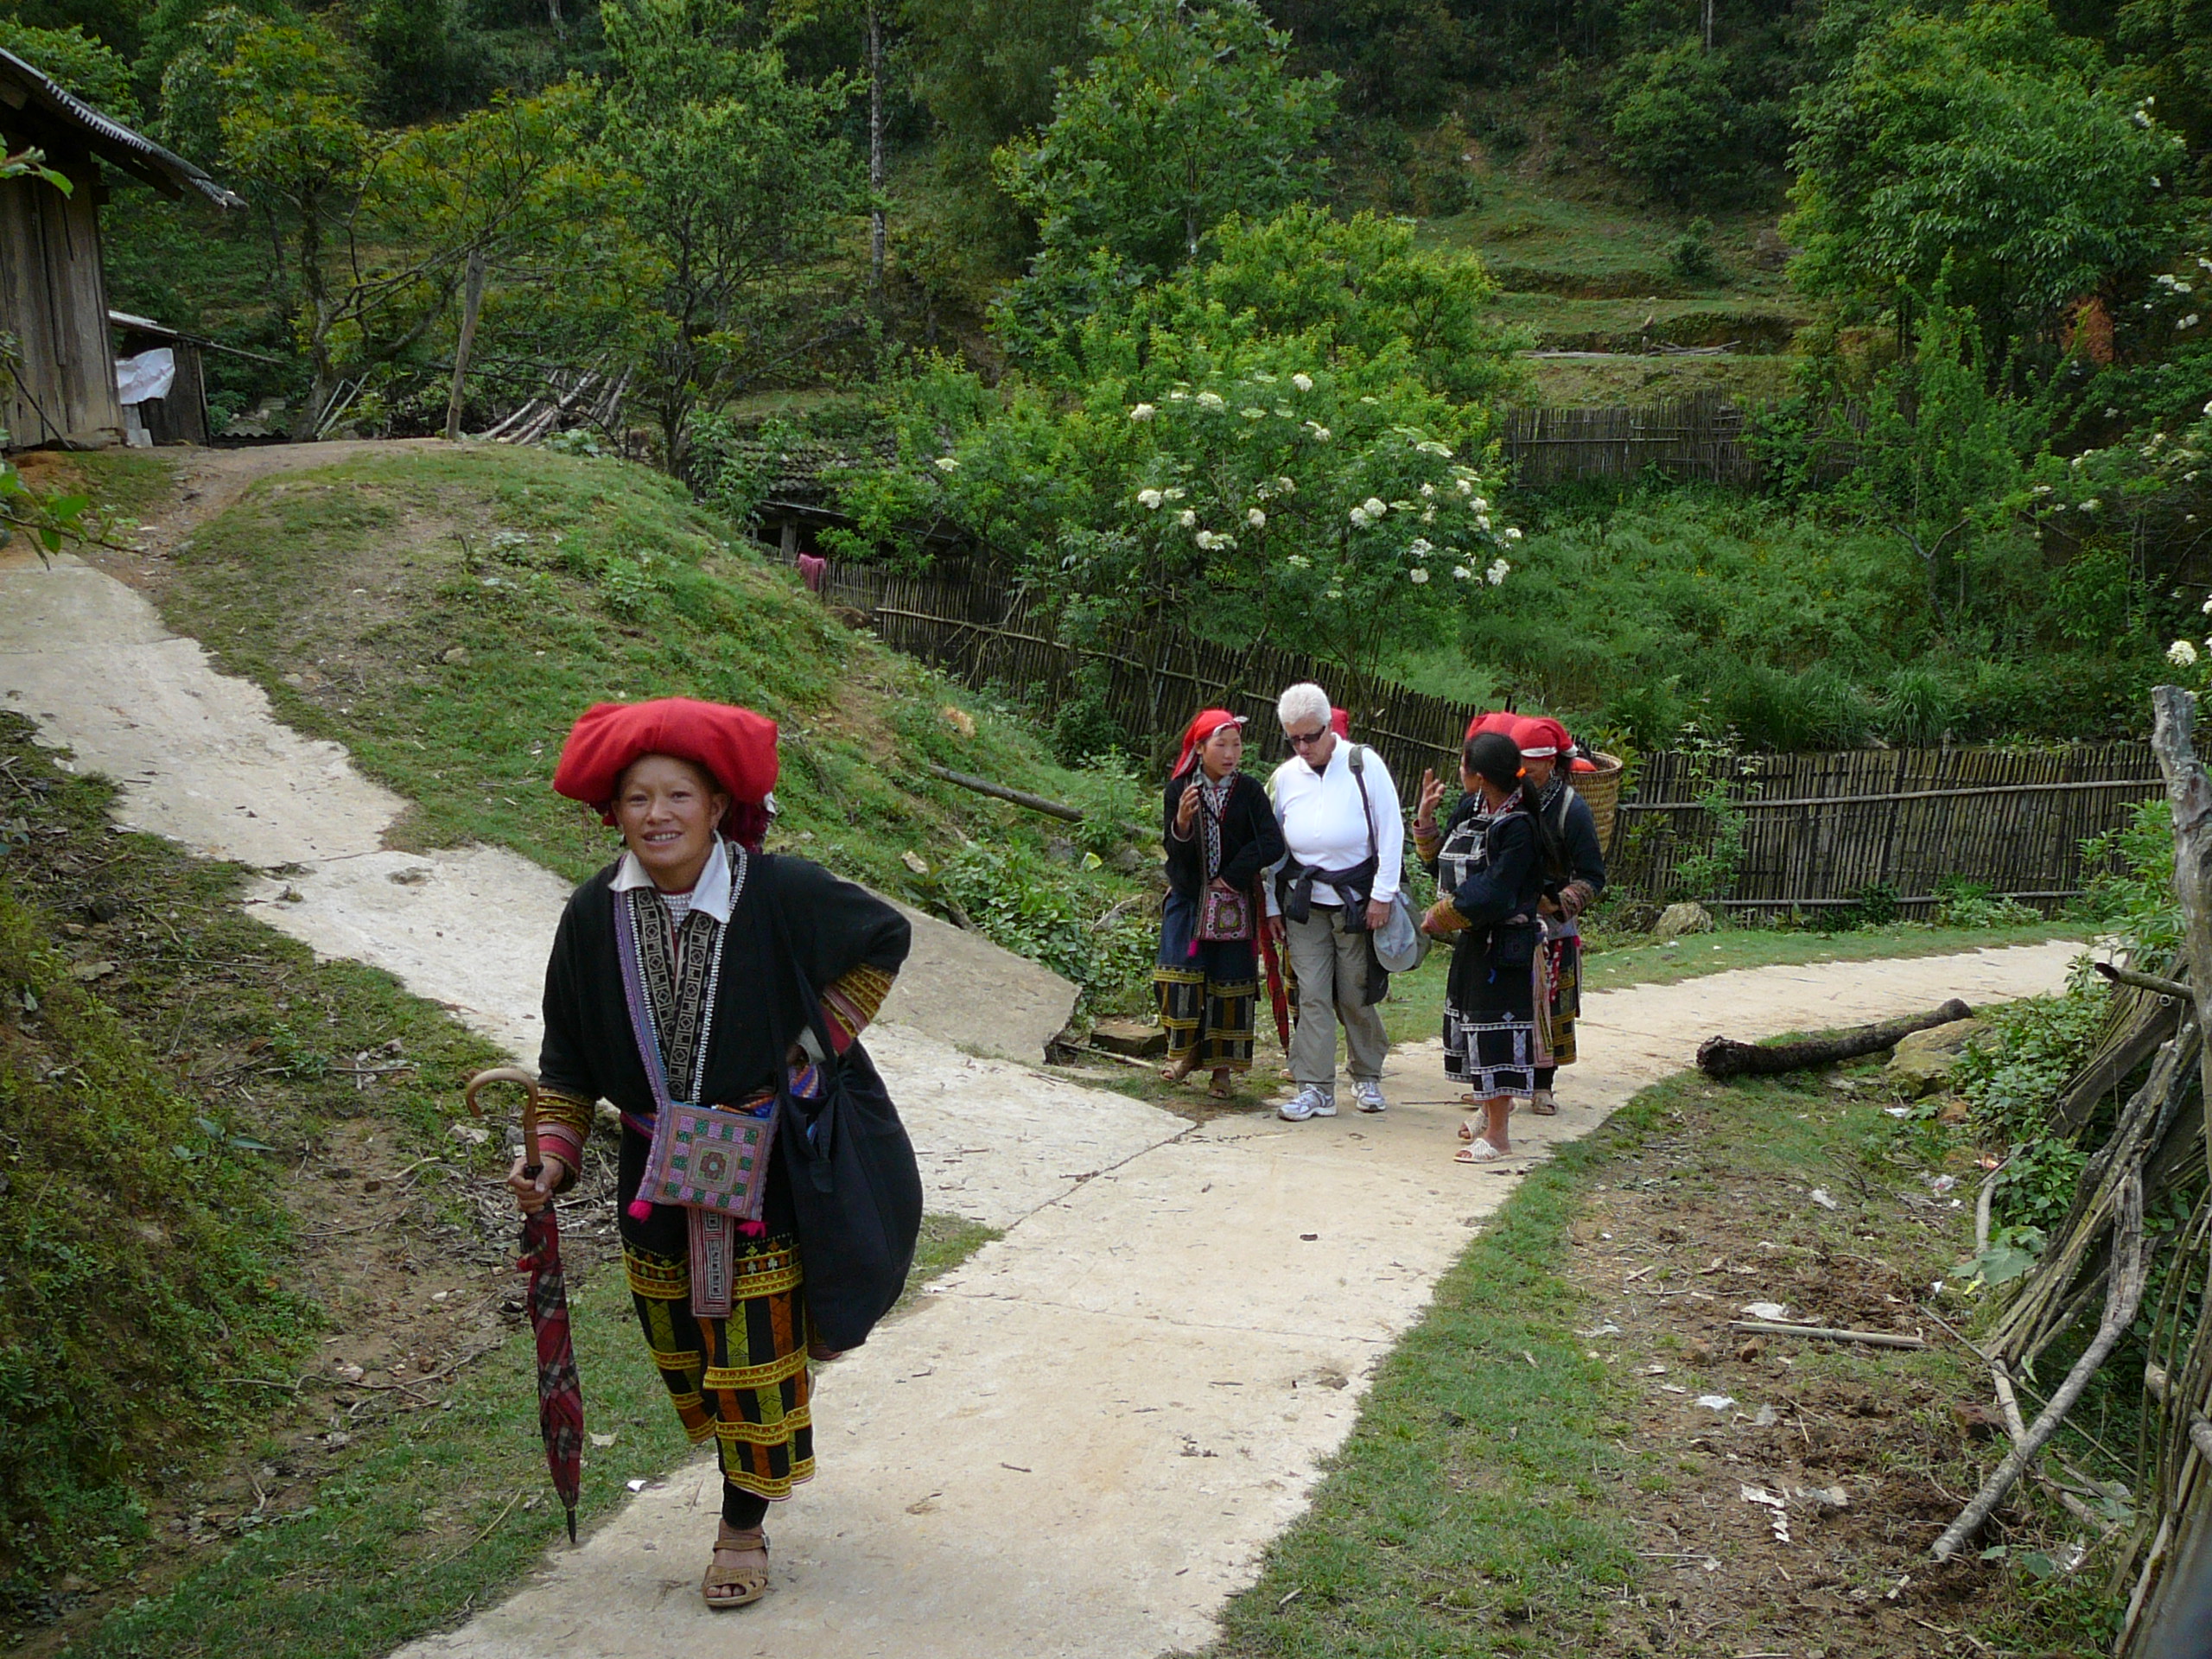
1722,1057
1020,798
1826,1334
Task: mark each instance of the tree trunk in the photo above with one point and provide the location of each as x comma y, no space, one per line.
876,226
2173,716
472,303
1718,1057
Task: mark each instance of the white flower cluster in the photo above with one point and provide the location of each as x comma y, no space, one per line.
2182,654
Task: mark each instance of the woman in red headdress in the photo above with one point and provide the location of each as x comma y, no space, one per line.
1573,868
1220,833
692,970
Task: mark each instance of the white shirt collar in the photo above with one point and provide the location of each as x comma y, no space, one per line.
711,893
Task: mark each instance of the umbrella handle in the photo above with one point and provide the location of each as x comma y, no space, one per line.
531,1162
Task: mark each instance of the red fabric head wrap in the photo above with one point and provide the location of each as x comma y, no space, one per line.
1340,722
734,746
1540,737
1501,721
1195,735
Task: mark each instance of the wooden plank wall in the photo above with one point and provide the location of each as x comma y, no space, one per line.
1820,829
54,299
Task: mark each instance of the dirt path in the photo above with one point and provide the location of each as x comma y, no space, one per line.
1082,1447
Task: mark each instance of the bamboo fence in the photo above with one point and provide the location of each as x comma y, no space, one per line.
1700,436
1818,830
1823,830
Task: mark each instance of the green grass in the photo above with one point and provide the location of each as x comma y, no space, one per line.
1603,382
171,1057
1486,1501
1562,322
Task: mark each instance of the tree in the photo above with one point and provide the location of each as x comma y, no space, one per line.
1988,145
1941,462
77,62
1272,500
983,71
1187,114
1676,123
372,230
735,189
1349,291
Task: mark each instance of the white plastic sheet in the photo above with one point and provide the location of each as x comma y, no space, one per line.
148,376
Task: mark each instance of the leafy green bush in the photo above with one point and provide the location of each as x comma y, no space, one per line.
1054,915
1692,255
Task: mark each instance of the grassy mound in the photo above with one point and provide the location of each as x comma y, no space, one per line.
446,612
138,1260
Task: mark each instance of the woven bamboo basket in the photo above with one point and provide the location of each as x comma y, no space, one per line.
1602,790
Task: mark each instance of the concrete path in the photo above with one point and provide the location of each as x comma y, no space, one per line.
1082,1444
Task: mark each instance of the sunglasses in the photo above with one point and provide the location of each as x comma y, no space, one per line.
1300,740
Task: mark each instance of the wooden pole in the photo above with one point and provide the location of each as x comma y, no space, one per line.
472,304
1000,792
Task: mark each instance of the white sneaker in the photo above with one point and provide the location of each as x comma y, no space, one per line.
1311,1100
1368,1091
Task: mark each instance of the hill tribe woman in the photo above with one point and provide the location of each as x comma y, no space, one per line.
1573,874
1220,834
672,980
1486,870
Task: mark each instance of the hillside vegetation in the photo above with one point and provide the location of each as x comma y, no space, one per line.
447,613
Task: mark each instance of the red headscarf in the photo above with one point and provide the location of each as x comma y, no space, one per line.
1539,737
734,746
1340,722
1502,721
1197,733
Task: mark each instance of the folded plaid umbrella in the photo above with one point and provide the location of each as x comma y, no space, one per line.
560,1392
1276,994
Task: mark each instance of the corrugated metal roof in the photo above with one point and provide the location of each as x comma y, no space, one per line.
108,138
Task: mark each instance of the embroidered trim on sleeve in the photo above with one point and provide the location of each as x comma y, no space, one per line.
852,1002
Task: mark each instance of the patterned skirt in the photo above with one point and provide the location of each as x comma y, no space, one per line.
742,1381
1491,1044
1208,991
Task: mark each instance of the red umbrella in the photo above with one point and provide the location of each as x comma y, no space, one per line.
560,1393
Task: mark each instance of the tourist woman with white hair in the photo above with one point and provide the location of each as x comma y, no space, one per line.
1340,819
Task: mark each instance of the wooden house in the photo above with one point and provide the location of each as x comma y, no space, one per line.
53,291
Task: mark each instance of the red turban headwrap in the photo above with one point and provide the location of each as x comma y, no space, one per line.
1195,735
1540,737
1340,722
734,746
1502,721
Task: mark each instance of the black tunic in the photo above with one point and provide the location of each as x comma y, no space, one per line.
1571,852
1490,960
1251,840
590,1052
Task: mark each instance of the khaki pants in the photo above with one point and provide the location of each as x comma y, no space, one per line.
1332,969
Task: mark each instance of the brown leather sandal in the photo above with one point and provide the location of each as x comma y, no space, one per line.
736,1586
